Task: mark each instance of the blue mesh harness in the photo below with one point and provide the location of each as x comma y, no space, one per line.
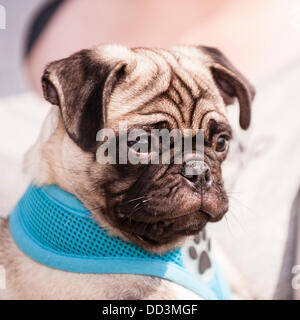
54,228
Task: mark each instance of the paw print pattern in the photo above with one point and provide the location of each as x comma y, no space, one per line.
198,256
204,260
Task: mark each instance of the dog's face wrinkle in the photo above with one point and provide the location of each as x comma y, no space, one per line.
181,95
180,112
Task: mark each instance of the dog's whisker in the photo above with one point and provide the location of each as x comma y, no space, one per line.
137,207
140,238
233,214
138,204
135,199
68,221
228,226
249,210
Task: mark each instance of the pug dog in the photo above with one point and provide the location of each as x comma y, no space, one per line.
184,87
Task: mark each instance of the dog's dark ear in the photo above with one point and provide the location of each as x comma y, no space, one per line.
231,83
81,86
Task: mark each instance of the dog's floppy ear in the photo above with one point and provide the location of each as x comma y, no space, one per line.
231,83
81,86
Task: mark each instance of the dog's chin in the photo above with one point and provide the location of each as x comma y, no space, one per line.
152,231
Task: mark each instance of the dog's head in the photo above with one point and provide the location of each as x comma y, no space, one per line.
154,205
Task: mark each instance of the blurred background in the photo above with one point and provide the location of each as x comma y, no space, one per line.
260,235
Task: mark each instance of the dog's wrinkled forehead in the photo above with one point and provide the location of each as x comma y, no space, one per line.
165,86
99,87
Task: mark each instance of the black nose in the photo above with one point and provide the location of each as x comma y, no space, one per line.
198,172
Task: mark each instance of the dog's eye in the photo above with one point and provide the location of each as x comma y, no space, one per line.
141,144
222,143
